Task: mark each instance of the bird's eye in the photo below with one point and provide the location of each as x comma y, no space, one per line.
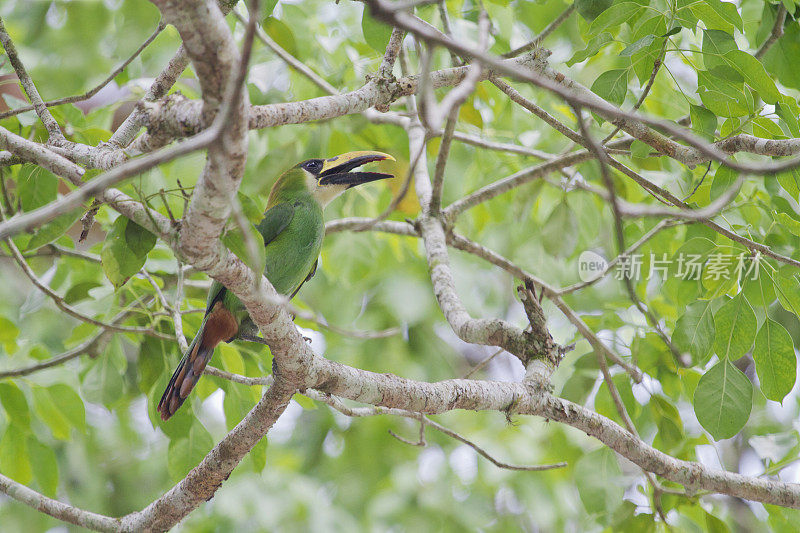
313,166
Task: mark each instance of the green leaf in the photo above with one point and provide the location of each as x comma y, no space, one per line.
80,291
120,262
259,455
597,476
185,453
305,402
268,7
760,289
716,44
560,231
789,118
790,182
632,48
591,9
724,178
45,466
139,240
470,115
250,207
643,61
718,15
640,149
103,381
735,328
235,242
673,31
695,331
715,525
8,330
786,290
53,229
36,187
14,461
67,400
720,96
50,414
754,74
788,222
592,47
153,355
376,34
776,364
723,400
612,85
614,16
704,121
16,406
281,34
231,360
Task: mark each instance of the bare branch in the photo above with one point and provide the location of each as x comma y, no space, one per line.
775,34
38,154
501,147
478,331
632,122
62,358
174,313
558,21
177,116
485,454
515,180
101,183
57,509
93,91
392,50
50,124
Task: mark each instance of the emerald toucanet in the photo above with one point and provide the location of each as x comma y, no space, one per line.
293,228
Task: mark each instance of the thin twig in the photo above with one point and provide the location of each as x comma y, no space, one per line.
619,232
93,91
775,34
656,67
90,345
50,124
173,312
545,33
289,59
667,223
482,364
392,51
68,309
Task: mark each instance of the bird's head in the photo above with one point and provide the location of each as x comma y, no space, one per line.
326,179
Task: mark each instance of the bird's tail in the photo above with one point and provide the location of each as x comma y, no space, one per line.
219,325
186,376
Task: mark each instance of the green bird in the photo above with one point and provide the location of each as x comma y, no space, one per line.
293,229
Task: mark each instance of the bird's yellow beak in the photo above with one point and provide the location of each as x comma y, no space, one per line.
337,170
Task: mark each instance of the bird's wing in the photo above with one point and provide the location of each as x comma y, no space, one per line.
275,220
310,275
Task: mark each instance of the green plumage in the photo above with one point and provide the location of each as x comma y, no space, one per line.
293,229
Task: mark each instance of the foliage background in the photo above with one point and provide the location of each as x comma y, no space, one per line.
86,432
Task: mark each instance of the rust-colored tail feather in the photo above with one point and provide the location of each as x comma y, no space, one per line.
185,377
218,326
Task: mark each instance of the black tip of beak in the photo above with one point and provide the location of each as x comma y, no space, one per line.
341,175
